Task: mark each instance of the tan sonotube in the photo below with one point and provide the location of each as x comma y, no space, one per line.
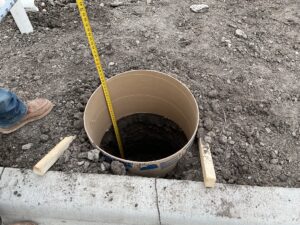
143,91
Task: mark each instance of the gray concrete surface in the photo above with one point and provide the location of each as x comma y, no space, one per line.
90,199
187,202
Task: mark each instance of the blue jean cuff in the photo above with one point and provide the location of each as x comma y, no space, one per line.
12,110
17,118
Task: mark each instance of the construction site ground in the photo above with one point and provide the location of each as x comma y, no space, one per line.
240,59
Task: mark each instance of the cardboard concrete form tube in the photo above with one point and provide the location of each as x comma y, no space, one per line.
143,91
52,156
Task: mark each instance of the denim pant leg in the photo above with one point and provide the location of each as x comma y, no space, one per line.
12,109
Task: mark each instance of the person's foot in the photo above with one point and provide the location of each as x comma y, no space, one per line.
36,109
23,223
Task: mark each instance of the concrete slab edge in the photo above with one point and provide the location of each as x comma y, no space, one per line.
90,199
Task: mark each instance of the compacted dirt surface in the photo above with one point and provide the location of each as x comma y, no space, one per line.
240,59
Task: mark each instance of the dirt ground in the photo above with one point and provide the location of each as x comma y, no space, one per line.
247,84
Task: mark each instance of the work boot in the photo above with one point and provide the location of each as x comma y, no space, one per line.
36,109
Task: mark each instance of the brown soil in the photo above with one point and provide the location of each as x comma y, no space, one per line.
248,89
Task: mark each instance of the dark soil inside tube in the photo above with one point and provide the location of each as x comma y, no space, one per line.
145,137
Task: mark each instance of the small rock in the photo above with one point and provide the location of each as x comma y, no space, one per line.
226,174
238,108
86,165
208,139
80,106
67,156
102,167
264,165
273,155
118,168
245,169
187,156
283,178
215,106
44,137
78,124
83,155
268,130
231,142
78,115
45,129
211,134
212,94
93,155
101,4
149,2
72,5
199,8
116,4
111,63
69,105
200,132
219,150
274,161
27,146
184,42
232,25
43,4
107,165
227,42
36,78
240,33
80,163
231,181
44,10
208,124
223,139
227,154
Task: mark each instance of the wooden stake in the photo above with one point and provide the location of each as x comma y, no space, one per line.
45,163
207,165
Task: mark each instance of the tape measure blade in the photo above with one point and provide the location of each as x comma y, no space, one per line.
93,47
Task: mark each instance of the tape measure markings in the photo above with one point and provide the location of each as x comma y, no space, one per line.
93,47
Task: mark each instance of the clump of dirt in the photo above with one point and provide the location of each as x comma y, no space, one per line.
145,137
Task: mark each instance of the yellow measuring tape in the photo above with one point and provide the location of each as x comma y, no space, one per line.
93,47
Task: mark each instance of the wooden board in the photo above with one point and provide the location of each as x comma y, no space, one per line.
207,164
48,160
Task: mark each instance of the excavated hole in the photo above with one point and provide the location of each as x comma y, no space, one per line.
145,137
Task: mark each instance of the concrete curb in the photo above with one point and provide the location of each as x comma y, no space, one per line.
90,199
